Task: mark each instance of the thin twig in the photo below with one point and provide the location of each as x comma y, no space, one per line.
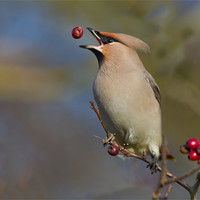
195,187
184,176
162,180
99,116
167,193
98,137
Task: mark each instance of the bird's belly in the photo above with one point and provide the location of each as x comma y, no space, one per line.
112,109
119,118
124,114
115,117
129,129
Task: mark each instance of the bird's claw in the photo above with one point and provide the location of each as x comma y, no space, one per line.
109,140
153,166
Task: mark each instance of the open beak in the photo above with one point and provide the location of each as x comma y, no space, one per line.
96,35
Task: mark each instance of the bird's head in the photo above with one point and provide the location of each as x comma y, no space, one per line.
114,43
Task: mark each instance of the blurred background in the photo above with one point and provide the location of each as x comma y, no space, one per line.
47,148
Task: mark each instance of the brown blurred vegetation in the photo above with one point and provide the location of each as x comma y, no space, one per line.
46,127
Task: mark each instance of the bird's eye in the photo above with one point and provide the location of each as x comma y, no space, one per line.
110,40
107,40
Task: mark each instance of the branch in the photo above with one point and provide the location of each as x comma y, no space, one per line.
183,176
195,187
167,193
162,180
192,190
100,119
128,153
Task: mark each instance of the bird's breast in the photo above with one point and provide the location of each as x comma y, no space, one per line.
112,104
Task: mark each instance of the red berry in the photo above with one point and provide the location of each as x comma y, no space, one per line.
193,155
198,162
192,143
113,150
77,32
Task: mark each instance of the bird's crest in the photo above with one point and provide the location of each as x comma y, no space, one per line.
129,41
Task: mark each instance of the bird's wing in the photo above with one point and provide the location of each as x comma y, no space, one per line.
153,85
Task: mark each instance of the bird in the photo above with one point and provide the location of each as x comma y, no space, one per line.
127,96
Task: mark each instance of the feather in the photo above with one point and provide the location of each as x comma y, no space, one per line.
153,85
129,41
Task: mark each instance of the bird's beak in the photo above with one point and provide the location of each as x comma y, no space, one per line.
96,35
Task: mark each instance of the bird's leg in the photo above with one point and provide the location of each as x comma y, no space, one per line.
109,140
123,149
144,154
153,166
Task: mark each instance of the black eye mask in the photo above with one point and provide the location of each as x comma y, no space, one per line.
105,39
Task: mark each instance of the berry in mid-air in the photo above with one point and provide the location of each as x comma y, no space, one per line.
77,32
192,143
193,155
113,150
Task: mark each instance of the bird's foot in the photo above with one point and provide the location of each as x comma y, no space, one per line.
153,166
109,140
123,150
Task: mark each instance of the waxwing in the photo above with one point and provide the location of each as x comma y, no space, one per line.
126,94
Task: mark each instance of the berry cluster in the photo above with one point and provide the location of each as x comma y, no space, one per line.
192,148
